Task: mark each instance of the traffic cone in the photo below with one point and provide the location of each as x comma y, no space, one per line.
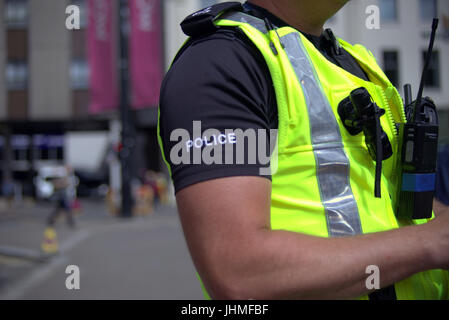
50,242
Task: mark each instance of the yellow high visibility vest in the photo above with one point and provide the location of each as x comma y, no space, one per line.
324,178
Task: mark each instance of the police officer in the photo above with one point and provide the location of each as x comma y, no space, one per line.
312,228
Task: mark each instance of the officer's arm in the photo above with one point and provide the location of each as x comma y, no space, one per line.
226,223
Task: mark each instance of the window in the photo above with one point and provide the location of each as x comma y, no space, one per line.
388,10
17,44
55,147
79,40
16,75
48,147
427,9
16,13
79,74
83,12
20,145
433,73
391,66
17,104
80,103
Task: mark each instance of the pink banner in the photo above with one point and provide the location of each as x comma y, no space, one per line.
102,33
145,52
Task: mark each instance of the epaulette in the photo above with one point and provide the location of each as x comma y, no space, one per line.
202,22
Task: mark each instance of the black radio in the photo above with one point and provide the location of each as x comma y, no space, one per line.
418,152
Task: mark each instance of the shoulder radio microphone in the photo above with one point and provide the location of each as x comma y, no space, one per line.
360,113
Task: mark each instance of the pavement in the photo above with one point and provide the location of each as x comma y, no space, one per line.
142,257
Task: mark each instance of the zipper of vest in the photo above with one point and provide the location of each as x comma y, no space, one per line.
392,123
389,114
399,101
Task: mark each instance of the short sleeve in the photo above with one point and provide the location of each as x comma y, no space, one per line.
216,89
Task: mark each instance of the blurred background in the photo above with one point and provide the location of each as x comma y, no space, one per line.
78,140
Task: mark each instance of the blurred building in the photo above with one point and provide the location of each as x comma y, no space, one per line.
45,89
45,94
399,44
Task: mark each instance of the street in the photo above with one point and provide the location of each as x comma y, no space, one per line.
138,258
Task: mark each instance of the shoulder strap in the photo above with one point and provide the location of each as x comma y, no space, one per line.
202,22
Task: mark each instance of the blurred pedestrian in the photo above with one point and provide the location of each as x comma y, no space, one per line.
62,198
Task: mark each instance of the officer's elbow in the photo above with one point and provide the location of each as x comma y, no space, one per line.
226,280
229,288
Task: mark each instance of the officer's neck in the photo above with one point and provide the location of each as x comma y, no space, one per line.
306,16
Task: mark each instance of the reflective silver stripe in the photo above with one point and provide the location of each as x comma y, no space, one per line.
333,167
332,163
257,23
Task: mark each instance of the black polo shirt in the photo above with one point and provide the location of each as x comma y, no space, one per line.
222,80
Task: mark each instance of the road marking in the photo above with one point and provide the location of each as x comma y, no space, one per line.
17,290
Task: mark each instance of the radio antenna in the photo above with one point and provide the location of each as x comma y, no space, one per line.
418,106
